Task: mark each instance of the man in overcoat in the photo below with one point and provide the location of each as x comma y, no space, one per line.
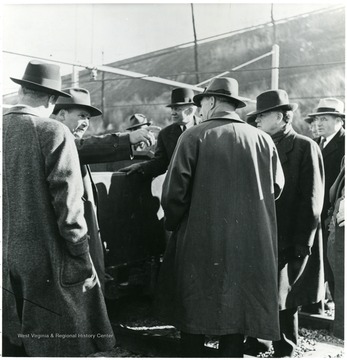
300,257
183,116
75,112
219,272
52,303
329,117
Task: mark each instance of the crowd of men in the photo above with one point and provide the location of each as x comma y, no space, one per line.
255,215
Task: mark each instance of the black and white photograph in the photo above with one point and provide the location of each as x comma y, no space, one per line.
173,179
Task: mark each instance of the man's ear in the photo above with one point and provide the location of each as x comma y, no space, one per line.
213,101
61,115
280,116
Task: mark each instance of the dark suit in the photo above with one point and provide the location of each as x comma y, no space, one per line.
332,157
301,280
166,143
98,149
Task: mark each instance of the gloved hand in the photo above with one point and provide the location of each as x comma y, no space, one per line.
132,169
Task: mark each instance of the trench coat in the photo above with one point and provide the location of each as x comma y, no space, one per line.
92,150
219,272
52,303
301,280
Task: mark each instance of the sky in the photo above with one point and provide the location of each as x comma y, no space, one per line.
96,34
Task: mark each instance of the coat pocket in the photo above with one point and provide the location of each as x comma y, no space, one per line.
76,269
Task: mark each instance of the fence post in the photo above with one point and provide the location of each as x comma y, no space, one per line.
75,76
275,66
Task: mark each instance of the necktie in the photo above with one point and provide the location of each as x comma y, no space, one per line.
322,142
183,128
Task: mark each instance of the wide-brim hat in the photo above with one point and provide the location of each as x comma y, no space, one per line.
329,106
272,100
42,77
137,121
181,96
79,98
225,87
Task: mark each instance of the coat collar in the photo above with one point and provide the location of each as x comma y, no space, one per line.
334,142
24,109
226,115
286,145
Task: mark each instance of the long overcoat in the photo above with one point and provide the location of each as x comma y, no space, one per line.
301,280
52,303
219,272
93,150
332,153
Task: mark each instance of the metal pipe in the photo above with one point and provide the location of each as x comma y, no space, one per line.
118,71
236,68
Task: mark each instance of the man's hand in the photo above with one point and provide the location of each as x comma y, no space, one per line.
134,168
143,135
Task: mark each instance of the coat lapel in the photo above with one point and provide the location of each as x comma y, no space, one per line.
334,143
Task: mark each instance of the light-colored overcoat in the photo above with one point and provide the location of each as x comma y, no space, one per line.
219,273
52,303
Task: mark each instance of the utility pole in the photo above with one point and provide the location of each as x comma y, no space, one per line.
275,54
103,90
195,47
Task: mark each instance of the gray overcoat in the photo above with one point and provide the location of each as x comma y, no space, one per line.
219,273
52,303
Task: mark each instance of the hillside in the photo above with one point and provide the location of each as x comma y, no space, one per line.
312,56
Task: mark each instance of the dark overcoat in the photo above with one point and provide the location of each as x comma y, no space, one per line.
52,303
219,273
333,153
301,280
166,143
92,150
332,157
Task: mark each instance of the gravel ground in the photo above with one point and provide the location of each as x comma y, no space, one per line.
136,314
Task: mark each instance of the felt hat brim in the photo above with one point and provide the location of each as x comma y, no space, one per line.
180,103
137,126
292,107
93,111
239,100
34,86
328,113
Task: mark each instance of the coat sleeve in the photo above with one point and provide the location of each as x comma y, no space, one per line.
176,195
311,189
160,161
104,148
63,175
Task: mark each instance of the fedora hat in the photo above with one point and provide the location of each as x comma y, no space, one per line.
137,120
80,98
181,96
271,100
225,87
329,106
42,77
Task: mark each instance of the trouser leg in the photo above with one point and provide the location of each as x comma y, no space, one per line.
231,346
289,333
192,345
